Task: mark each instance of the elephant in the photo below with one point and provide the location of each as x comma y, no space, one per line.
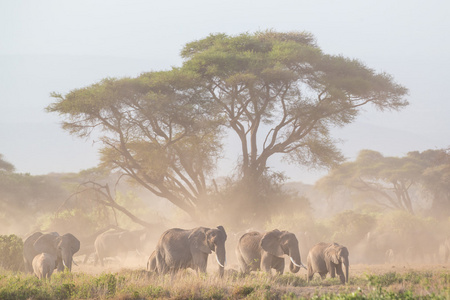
181,249
29,252
115,243
61,247
43,265
266,251
326,258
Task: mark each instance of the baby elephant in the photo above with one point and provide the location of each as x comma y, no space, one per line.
326,258
43,265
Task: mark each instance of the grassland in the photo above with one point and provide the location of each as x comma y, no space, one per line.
366,282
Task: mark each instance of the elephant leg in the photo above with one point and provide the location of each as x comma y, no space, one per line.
309,270
332,270
340,273
323,275
200,262
278,264
243,266
266,262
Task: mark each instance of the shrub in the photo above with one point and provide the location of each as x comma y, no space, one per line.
11,249
350,227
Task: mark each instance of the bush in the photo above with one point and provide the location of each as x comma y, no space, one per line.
350,227
11,249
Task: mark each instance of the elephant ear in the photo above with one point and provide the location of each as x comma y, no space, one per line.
198,241
332,253
73,242
220,227
270,243
47,243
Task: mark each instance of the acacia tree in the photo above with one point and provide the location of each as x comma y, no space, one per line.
6,166
388,180
385,180
277,91
157,129
280,94
435,178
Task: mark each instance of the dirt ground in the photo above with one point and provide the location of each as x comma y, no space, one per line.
133,261
361,269
136,262
356,270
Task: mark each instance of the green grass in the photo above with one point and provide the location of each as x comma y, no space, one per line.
139,284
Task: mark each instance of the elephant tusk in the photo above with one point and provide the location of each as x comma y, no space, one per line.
297,265
219,262
304,266
64,264
74,263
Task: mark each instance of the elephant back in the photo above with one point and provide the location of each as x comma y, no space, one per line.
249,243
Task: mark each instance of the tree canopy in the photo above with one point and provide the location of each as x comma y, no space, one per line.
6,166
387,181
281,94
157,128
278,92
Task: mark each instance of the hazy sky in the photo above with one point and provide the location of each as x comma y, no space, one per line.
59,45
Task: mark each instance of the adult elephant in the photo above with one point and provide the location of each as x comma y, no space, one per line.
180,249
266,251
326,258
115,244
61,247
29,252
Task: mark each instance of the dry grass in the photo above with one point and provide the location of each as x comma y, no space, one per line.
366,282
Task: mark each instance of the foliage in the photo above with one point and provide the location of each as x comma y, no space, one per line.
5,166
435,178
276,91
11,249
157,129
233,208
280,95
349,228
387,181
138,284
25,197
75,221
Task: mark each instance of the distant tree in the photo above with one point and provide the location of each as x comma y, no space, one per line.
388,180
25,197
280,94
435,178
6,166
277,91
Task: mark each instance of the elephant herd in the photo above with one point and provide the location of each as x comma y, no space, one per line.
179,249
43,253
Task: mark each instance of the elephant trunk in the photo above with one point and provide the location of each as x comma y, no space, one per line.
346,265
296,261
66,262
221,258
